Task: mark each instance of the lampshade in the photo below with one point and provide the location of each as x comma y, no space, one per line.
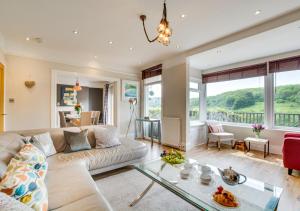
77,87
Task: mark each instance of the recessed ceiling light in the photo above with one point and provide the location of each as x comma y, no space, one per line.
75,32
96,57
183,15
27,38
177,46
257,12
131,48
110,42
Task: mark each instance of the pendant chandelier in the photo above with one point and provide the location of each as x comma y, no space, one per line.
77,86
164,31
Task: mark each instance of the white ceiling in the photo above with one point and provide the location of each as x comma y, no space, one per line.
276,41
100,21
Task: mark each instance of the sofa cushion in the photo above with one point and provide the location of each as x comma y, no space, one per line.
69,184
44,142
10,144
99,158
95,202
106,137
76,141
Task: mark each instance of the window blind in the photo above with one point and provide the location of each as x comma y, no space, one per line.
152,71
236,73
287,64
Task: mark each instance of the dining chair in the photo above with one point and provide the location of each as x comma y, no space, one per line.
62,119
86,118
96,117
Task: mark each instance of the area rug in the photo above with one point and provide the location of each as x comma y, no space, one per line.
122,188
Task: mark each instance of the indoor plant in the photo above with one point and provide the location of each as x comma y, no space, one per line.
257,128
77,108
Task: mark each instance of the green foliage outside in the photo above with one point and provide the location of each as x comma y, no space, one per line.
287,100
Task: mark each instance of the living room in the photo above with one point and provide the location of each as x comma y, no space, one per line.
198,103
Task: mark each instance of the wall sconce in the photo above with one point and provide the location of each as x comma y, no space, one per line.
29,84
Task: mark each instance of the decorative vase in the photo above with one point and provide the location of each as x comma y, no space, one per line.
257,134
78,112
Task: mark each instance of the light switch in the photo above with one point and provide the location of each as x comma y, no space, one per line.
11,100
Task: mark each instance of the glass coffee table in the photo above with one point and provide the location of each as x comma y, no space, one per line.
252,195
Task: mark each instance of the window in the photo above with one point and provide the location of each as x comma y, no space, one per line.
153,100
238,101
194,110
287,99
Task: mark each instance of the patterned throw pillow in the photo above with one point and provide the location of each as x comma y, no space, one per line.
24,181
31,154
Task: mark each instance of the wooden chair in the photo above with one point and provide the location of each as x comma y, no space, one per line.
62,119
86,118
96,117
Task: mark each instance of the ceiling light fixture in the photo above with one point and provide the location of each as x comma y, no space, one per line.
257,12
164,31
27,38
110,42
77,86
96,57
183,16
131,48
75,32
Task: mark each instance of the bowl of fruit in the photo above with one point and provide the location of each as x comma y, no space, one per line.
172,157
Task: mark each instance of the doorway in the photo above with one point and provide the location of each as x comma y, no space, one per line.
2,97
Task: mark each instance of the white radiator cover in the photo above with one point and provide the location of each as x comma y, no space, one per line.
171,134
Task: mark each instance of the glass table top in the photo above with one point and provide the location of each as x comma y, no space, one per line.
252,195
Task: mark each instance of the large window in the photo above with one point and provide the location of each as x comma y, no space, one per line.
238,101
153,100
194,101
287,99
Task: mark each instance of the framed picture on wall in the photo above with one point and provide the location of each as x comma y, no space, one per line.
130,89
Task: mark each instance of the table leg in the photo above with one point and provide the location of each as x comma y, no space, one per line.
159,133
249,147
151,133
268,147
265,150
135,201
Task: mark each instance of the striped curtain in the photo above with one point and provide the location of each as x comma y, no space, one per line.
105,102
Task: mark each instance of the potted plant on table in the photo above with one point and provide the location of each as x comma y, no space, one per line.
257,128
77,108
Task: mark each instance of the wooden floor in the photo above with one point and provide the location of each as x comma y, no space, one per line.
252,164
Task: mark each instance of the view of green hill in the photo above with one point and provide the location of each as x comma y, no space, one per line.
287,100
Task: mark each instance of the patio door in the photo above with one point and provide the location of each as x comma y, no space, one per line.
2,97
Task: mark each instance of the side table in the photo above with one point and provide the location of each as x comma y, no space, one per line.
261,141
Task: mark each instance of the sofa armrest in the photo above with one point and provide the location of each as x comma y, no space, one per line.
291,144
296,135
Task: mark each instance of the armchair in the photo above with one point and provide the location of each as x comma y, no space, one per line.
217,134
291,152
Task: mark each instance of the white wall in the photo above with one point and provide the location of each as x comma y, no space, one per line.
174,92
32,108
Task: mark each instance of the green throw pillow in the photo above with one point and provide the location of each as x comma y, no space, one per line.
77,141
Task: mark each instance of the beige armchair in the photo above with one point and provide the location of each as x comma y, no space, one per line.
217,134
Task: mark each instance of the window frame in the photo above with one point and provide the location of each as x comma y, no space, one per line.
200,91
269,120
158,81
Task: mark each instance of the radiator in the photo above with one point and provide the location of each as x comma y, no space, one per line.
171,134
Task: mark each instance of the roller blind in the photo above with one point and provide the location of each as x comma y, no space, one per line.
236,73
152,71
287,64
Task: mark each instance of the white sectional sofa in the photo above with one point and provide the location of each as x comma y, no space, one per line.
69,182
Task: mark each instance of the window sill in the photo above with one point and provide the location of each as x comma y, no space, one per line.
196,123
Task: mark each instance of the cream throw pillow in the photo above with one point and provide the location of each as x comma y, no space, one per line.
44,142
106,137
